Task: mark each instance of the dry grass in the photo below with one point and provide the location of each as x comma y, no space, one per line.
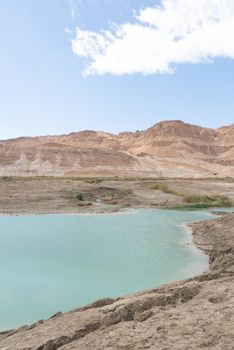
194,201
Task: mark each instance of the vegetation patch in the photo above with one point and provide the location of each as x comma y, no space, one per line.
166,189
127,205
6,178
194,201
108,196
124,193
80,197
94,181
214,200
113,196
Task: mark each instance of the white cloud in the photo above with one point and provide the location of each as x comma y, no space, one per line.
72,8
67,30
177,31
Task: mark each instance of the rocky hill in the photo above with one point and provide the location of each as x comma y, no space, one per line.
170,148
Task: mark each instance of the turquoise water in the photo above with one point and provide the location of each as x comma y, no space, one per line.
54,263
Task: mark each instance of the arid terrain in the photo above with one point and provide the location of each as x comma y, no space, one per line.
59,195
171,149
197,313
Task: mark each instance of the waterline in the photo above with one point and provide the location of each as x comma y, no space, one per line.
52,263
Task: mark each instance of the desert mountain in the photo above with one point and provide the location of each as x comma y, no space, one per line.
171,148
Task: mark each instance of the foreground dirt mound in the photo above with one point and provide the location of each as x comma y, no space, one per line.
171,148
194,314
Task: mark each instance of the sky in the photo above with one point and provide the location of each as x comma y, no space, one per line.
114,65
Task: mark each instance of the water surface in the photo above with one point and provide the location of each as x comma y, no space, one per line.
54,263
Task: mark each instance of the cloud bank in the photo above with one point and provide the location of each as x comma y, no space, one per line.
176,32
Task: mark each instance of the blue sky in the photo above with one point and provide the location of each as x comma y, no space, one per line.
44,90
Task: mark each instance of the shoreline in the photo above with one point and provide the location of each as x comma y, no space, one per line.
119,210
186,242
143,307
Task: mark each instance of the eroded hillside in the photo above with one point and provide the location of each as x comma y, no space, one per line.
170,148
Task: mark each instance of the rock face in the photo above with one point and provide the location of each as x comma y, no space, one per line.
170,148
193,314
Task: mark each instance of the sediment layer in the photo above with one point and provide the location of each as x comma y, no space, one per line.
169,148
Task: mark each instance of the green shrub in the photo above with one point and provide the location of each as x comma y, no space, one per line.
194,201
208,201
80,197
6,178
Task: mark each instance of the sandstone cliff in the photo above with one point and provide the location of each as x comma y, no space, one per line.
170,148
